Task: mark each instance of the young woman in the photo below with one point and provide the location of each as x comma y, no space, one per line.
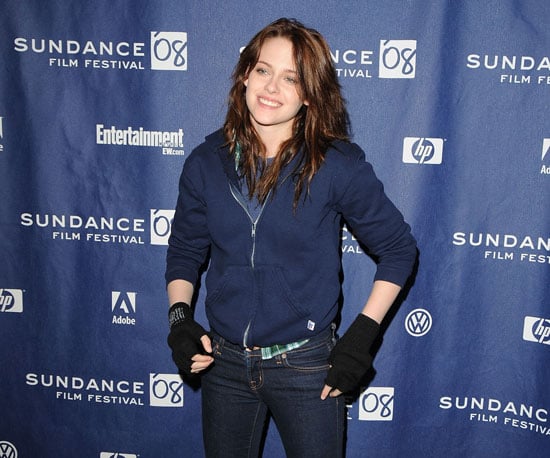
265,197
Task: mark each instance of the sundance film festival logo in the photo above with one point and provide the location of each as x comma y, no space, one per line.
536,330
7,450
123,306
418,322
512,68
397,59
103,229
422,150
165,390
161,225
376,404
11,300
168,51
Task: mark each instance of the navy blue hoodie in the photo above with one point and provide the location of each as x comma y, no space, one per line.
274,278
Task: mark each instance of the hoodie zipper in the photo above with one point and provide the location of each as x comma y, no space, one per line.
254,223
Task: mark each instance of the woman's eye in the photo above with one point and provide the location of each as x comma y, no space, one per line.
291,80
261,71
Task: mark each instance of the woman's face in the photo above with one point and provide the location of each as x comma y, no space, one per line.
272,90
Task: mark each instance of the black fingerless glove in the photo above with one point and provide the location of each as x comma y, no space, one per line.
350,358
185,336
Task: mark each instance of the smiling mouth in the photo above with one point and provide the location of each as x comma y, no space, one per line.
269,103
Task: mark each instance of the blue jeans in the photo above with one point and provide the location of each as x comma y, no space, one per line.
241,389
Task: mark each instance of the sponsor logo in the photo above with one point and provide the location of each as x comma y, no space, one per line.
350,245
376,404
168,51
171,142
351,63
7,450
123,306
545,169
506,247
422,150
512,69
161,225
103,229
494,411
536,330
545,147
396,59
11,300
418,322
165,390
117,455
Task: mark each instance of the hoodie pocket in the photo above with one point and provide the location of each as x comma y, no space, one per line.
279,317
229,301
277,294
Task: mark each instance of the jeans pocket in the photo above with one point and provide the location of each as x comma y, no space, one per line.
308,357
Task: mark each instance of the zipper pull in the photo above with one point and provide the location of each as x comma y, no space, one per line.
253,230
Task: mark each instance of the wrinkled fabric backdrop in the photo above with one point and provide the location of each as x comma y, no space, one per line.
100,104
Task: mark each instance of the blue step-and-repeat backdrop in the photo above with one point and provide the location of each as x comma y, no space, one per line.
100,104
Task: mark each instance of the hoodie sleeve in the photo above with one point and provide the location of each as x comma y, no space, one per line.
375,221
189,240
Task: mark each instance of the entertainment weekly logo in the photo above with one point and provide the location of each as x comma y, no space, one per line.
71,228
160,390
171,142
162,51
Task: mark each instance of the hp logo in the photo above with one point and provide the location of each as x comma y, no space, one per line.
11,300
536,329
422,150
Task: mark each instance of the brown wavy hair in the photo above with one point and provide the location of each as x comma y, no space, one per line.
316,125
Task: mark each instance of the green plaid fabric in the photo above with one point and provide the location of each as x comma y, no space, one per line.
274,350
